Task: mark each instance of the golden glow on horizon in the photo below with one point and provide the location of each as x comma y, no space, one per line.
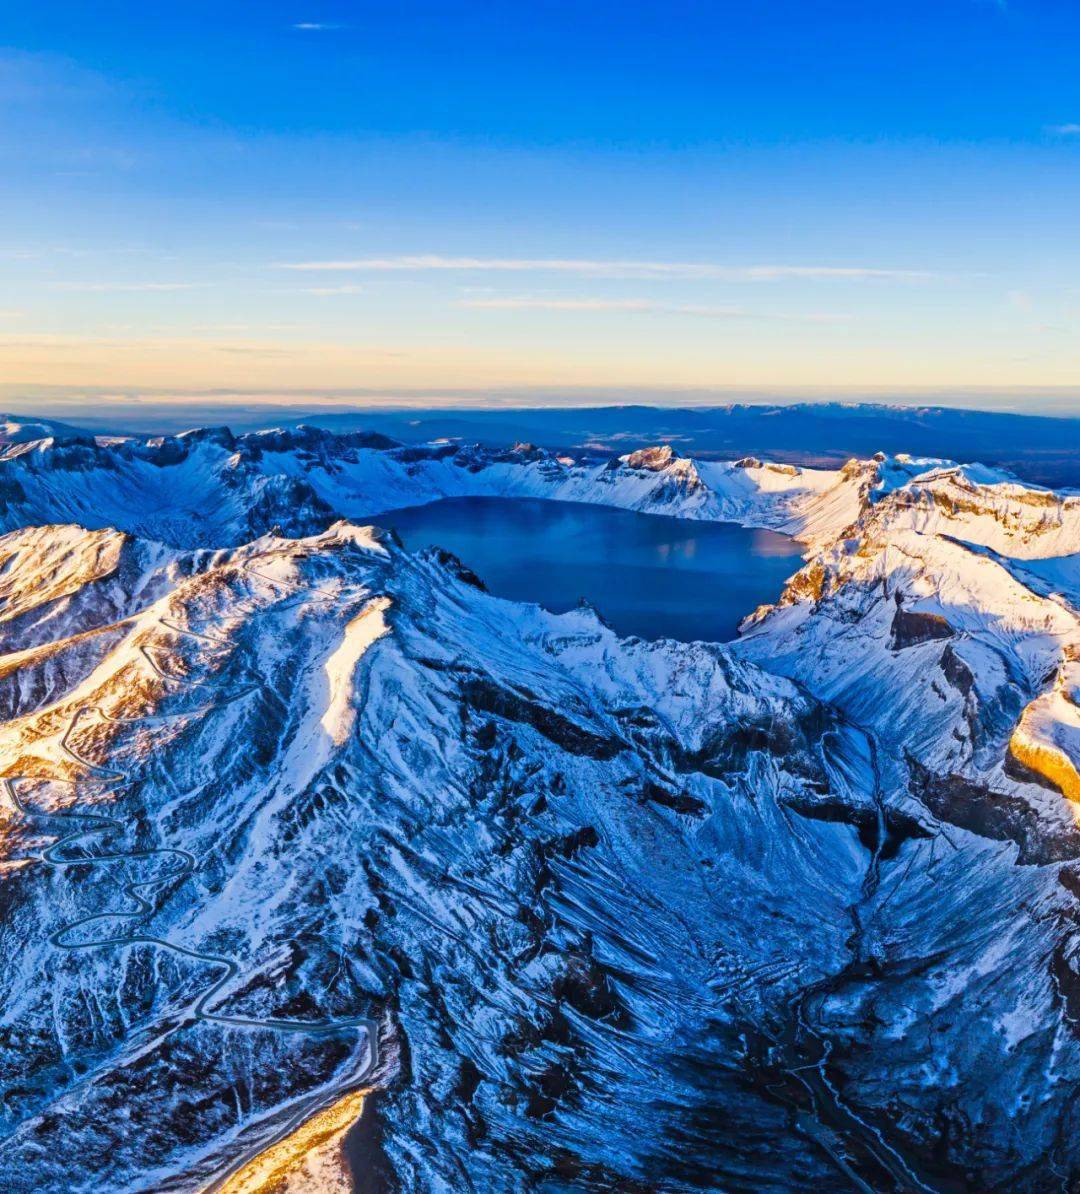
276,366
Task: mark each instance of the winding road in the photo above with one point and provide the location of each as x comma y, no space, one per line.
184,864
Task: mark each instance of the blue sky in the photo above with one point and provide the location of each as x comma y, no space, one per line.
458,199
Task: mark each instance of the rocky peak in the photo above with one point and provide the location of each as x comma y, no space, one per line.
653,460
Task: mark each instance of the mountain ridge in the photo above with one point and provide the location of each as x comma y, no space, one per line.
820,434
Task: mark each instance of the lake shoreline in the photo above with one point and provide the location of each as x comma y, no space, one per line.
649,575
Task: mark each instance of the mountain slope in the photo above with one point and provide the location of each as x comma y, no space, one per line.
329,729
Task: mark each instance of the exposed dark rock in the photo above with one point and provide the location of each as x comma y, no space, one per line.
899,827
680,802
994,815
957,671
485,696
453,565
1065,972
912,627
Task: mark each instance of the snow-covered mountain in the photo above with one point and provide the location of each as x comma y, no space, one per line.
17,429
289,813
210,488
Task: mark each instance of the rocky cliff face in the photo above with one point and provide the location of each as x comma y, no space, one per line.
299,815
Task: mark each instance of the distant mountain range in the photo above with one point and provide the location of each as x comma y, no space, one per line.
1038,448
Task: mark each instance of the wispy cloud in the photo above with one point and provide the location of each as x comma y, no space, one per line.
1069,129
126,287
316,26
611,268
324,291
597,304
640,305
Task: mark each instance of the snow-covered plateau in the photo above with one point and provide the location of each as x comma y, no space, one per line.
289,813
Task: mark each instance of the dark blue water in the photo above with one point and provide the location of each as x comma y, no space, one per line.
648,575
